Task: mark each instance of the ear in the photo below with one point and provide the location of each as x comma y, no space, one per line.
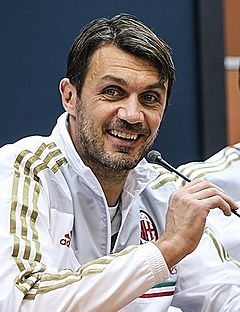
68,95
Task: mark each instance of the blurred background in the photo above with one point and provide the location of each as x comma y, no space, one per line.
204,114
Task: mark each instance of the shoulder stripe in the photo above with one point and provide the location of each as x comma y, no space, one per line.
32,279
199,169
24,211
222,253
162,181
164,176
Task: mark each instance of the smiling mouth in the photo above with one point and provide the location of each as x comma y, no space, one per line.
123,136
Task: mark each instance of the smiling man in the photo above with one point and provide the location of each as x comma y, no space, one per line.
115,119
86,223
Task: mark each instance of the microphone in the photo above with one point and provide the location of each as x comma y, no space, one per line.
156,158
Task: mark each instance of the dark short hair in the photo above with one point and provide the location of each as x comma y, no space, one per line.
125,32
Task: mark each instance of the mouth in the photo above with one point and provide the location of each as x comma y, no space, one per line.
123,136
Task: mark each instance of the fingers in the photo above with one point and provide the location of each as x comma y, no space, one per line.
186,217
217,202
210,195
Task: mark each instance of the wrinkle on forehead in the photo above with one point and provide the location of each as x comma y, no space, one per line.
110,60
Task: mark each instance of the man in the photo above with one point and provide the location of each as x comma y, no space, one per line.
76,205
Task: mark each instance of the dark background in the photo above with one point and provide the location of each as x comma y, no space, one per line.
35,37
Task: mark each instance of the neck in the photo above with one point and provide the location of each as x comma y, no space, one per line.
112,183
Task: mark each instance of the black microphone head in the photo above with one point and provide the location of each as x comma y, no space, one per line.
153,156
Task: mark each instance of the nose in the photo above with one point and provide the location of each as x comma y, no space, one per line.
130,111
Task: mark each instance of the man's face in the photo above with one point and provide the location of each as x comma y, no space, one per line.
120,109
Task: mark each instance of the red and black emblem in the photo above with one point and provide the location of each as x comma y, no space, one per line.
148,228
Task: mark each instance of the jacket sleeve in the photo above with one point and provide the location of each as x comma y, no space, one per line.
223,169
209,278
29,279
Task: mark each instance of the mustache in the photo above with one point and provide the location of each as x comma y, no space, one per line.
124,125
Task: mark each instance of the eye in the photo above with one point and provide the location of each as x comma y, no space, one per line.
112,92
149,98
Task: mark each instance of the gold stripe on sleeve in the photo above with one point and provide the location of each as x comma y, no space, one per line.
199,169
26,245
222,253
32,279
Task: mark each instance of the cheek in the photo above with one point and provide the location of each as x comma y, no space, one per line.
154,121
103,112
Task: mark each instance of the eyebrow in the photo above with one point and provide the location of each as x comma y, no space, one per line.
160,84
116,79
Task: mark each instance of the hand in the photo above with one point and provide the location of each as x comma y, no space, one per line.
185,221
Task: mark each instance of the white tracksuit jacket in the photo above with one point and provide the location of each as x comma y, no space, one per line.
55,235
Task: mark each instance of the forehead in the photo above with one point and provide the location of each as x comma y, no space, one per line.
110,60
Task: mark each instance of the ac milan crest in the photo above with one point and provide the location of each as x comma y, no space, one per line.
148,228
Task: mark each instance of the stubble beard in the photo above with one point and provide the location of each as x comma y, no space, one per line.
91,147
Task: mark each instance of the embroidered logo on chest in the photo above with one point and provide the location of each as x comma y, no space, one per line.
148,228
66,240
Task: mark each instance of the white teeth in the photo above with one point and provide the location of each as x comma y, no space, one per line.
123,135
